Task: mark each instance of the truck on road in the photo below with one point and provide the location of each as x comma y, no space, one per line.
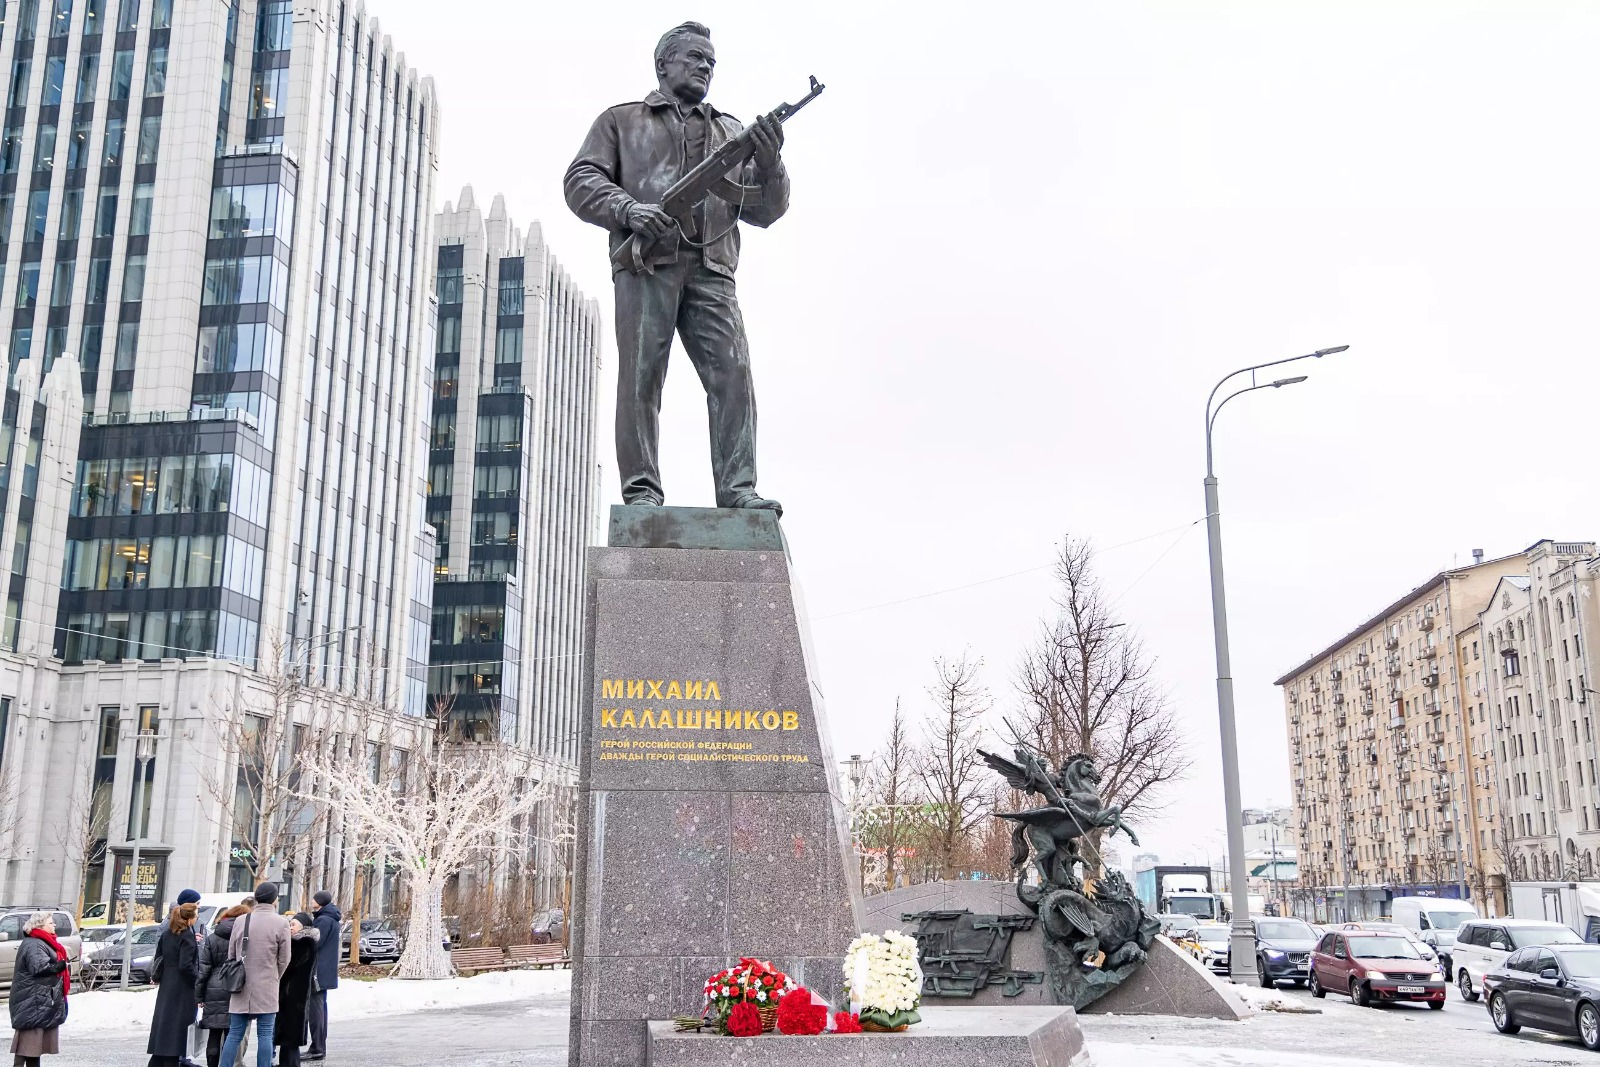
1179,890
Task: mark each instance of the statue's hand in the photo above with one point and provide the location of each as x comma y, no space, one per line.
648,220
767,135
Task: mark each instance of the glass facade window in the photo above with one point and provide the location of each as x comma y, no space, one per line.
268,89
98,288
274,26
105,214
89,346
154,635
19,548
127,354
78,148
511,295
172,485
161,15
496,528
445,380
11,150
440,477
508,344
140,210
122,74
55,345
248,346
149,138
189,561
55,77
449,340
88,78
499,433
469,624
127,16
35,226
112,157
250,210
495,482
60,18
27,285
443,434
247,280
133,281
94,16
448,285
463,679
8,204
21,344
155,71
27,20
61,285
44,147
71,214
21,75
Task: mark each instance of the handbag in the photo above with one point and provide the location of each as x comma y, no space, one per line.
157,965
230,975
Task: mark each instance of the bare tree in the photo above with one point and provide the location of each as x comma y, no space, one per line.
81,834
890,818
450,806
949,770
1088,687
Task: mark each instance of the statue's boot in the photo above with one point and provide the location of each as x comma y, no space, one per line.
755,502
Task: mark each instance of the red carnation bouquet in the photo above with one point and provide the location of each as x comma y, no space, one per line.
754,982
799,1016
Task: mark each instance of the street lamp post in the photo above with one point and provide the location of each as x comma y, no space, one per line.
144,751
1242,953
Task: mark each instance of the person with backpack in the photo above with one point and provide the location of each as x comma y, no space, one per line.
39,989
258,954
210,991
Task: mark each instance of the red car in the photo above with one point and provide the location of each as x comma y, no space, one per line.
1374,968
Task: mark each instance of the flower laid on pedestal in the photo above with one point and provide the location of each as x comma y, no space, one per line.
756,983
799,1016
884,980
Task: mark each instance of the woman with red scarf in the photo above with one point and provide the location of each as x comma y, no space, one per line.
38,992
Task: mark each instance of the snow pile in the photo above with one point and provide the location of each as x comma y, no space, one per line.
116,1010
1112,1055
1273,1000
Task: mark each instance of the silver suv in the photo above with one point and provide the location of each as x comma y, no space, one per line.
12,920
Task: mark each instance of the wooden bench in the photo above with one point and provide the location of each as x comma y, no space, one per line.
550,955
473,960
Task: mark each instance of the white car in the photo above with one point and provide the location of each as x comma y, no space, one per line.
1482,945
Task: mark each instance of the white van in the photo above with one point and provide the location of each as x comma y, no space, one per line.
1483,945
1435,922
213,904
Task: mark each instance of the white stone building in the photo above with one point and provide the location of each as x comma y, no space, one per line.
1538,698
217,230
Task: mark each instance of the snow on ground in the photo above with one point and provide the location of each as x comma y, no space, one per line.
1105,1054
116,1010
1274,999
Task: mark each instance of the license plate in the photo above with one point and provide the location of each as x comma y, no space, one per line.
1411,989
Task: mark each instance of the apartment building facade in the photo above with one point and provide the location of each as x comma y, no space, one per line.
1380,756
1536,714
216,243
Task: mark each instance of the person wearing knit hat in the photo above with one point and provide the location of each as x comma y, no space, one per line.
188,896
329,921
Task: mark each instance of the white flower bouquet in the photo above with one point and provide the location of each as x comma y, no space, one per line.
884,980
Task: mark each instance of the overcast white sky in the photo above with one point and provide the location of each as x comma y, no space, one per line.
1026,238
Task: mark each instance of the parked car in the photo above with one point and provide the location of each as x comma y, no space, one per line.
106,966
1435,921
1548,987
1482,945
548,926
96,914
1396,929
378,941
1209,945
210,906
1283,951
12,920
98,940
1374,968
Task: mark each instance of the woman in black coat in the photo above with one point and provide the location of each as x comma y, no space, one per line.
177,957
212,997
294,991
38,1000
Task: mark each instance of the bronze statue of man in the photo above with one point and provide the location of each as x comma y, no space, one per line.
633,154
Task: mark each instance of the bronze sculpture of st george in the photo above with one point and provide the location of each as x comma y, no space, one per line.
671,178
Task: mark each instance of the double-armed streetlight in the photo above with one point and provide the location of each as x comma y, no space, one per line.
1242,938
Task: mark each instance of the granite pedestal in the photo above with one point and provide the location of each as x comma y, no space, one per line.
946,1037
711,824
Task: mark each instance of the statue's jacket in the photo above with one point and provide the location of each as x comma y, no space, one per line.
633,154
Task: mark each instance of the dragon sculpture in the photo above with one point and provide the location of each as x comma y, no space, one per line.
1096,933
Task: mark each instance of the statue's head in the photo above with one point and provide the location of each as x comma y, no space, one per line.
685,60
1081,768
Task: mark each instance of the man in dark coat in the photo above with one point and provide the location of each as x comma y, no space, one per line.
294,990
327,918
177,964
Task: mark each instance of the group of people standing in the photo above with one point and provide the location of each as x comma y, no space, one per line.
253,964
